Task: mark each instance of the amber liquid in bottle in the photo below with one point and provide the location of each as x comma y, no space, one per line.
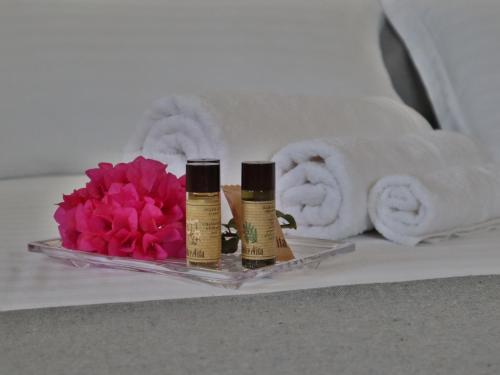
258,242
203,214
203,226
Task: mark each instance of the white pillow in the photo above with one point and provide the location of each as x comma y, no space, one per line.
455,45
76,76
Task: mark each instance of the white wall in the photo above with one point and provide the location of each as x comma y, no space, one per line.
76,75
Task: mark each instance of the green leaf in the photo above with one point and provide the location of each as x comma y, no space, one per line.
229,244
230,227
290,222
232,224
229,238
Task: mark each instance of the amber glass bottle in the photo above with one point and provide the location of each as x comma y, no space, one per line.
259,214
203,213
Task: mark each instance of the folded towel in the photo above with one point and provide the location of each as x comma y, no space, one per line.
250,126
452,201
325,183
177,128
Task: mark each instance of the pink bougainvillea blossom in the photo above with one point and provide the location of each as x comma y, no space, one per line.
134,209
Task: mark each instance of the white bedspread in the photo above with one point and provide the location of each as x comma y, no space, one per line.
31,280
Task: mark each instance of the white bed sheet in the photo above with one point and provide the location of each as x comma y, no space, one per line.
31,280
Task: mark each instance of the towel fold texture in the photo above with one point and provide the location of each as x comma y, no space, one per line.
325,183
435,206
175,129
254,125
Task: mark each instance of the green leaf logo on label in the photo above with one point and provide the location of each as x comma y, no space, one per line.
250,232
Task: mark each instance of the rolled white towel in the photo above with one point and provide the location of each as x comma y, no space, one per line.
175,129
452,201
254,125
325,183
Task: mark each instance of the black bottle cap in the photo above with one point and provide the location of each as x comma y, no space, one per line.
257,175
203,176
203,160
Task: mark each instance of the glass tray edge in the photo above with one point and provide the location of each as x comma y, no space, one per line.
221,278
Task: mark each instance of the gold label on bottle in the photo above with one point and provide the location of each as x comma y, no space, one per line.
203,229
259,236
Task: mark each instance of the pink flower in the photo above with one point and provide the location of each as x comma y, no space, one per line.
134,209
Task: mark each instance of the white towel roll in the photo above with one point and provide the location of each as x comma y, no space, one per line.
325,183
177,128
253,126
452,201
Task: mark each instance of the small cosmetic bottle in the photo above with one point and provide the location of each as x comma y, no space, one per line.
203,213
259,214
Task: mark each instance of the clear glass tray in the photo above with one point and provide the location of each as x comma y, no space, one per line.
308,253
